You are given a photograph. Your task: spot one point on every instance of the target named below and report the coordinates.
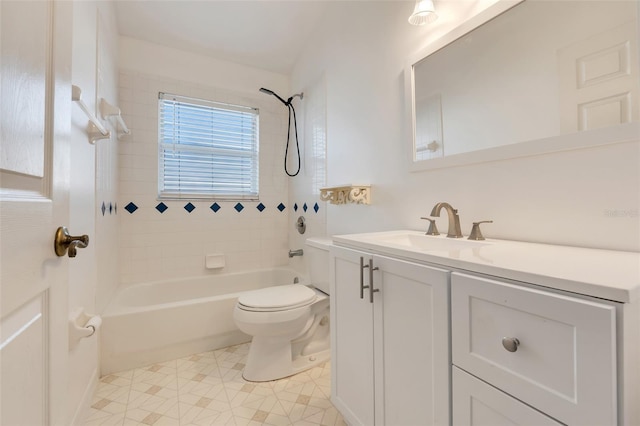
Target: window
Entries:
(207, 150)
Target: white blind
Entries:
(207, 149)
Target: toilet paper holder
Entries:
(82, 325)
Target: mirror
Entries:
(537, 77)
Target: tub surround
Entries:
(166, 239)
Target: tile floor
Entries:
(208, 389)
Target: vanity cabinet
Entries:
(554, 352)
(538, 334)
(390, 354)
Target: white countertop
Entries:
(607, 274)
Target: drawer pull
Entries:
(510, 343)
(362, 286)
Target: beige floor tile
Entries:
(208, 389)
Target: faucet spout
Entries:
(454, 220)
(293, 253)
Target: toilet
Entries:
(289, 324)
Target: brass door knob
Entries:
(64, 242)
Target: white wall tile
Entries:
(167, 245)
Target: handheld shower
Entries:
(291, 109)
(271, 92)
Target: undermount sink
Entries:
(414, 240)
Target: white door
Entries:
(599, 84)
(35, 107)
(412, 357)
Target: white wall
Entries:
(93, 181)
(587, 197)
(173, 244)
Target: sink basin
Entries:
(414, 240)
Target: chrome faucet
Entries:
(454, 220)
(298, 252)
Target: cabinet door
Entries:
(558, 355)
(351, 339)
(475, 403)
(411, 335)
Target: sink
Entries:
(414, 240)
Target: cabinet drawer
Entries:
(565, 363)
(476, 403)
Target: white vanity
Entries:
(429, 330)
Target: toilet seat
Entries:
(278, 298)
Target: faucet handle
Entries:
(433, 230)
(476, 234)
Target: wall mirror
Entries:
(525, 79)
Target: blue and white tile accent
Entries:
(162, 207)
(110, 207)
(131, 207)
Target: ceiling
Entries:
(264, 34)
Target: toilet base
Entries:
(270, 359)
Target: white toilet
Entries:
(289, 323)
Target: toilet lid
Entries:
(277, 298)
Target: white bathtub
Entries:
(163, 320)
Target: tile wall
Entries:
(313, 175)
(169, 239)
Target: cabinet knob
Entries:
(510, 343)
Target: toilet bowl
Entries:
(289, 324)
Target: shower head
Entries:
(271, 92)
(287, 102)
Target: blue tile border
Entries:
(162, 207)
(131, 207)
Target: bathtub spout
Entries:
(298, 252)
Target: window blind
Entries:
(207, 149)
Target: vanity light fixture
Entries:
(423, 13)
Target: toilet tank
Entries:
(316, 255)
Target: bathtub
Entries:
(163, 320)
